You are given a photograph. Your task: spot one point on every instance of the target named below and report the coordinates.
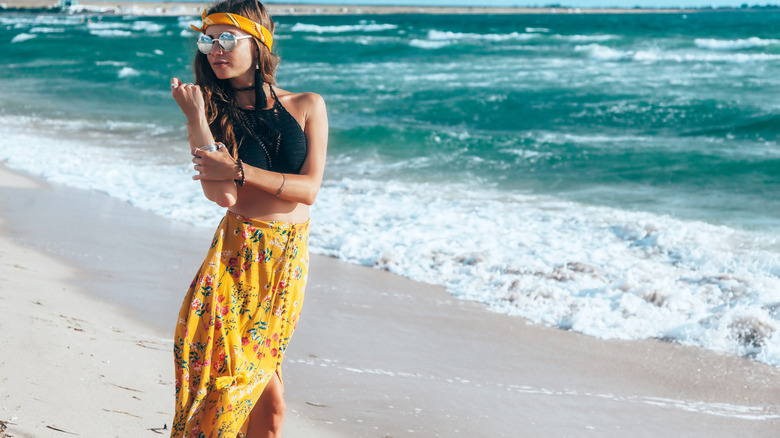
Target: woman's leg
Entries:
(266, 418)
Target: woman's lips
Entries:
(220, 63)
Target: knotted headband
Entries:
(241, 22)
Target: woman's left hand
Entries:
(214, 166)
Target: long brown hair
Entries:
(218, 95)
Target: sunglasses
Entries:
(227, 41)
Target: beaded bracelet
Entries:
(242, 177)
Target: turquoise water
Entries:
(667, 113)
(570, 169)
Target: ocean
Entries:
(614, 175)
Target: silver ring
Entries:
(174, 85)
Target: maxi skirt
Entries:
(235, 323)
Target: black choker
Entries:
(251, 87)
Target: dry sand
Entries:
(90, 289)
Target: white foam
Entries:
(23, 37)
(111, 63)
(151, 184)
(19, 21)
(362, 27)
(147, 26)
(426, 44)
(586, 38)
(561, 138)
(599, 271)
(80, 9)
(127, 72)
(603, 53)
(135, 11)
(738, 44)
(47, 30)
(438, 35)
(753, 413)
(110, 33)
(432, 77)
(103, 25)
(366, 40)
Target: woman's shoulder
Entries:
(306, 98)
(307, 103)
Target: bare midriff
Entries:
(257, 204)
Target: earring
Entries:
(260, 100)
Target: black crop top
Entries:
(271, 139)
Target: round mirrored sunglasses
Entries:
(227, 41)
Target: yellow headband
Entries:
(243, 23)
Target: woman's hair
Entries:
(218, 95)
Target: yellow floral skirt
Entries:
(235, 323)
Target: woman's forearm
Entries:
(290, 187)
(223, 192)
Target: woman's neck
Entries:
(247, 79)
(246, 98)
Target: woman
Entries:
(244, 302)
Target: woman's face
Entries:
(236, 64)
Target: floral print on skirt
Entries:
(235, 323)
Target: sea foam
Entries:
(109, 33)
(427, 44)
(127, 72)
(362, 27)
(47, 30)
(439, 35)
(23, 37)
(748, 43)
(600, 52)
(599, 271)
(586, 38)
(366, 40)
(147, 26)
(102, 25)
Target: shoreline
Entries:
(375, 354)
(286, 9)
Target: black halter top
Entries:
(271, 139)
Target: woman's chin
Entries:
(222, 75)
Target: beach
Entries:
(529, 225)
(90, 291)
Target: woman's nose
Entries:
(216, 47)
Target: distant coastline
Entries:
(183, 8)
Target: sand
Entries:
(90, 288)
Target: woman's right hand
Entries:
(189, 98)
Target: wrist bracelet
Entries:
(281, 187)
(241, 176)
(211, 147)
